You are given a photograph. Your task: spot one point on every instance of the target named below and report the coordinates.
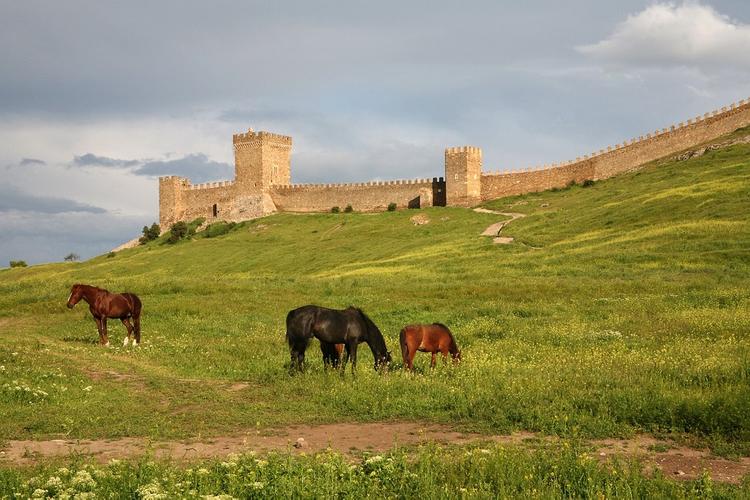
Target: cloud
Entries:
(37, 238)
(666, 34)
(92, 160)
(15, 200)
(25, 162)
(197, 167)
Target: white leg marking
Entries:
(107, 344)
(125, 342)
(70, 296)
(135, 343)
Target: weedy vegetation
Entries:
(621, 307)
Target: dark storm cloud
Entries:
(92, 160)
(197, 167)
(38, 238)
(15, 200)
(25, 162)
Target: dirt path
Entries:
(674, 461)
(494, 230)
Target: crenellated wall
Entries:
(620, 158)
(263, 172)
(364, 196)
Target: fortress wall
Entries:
(621, 158)
(513, 183)
(198, 200)
(365, 196)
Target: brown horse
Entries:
(432, 338)
(104, 304)
(331, 354)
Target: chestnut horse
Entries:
(104, 304)
(432, 338)
(331, 354)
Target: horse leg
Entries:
(104, 331)
(126, 322)
(297, 353)
(353, 355)
(432, 363)
(137, 329)
(99, 329)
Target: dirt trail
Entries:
(494, 230)
(674, 461)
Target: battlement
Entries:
(353, 185)
(250, 137)
(472, 150)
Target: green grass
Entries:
(622, 307)
(428, 472)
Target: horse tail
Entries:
(404, 346)
(136, 306)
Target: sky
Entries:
(99, 98)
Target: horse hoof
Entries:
(135, 344)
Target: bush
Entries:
(18, 263)
(178, 231)
(588, 183)
(72, 257)
(150, 233)
(335, 210)
(218, 229)
(572, 183)
(110, 255)
(391, 207)
(348, 209)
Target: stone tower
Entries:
(463, 176)
(261, 160)
(171, 206)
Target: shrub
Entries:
(218, 228)
(150, 233)
(178, 231)
(18, 263)
(391, 207)
(588, 183)
(335, 210)
(348, 209)
(572, 183)
(110, 255)
(71, 257)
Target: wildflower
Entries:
(39, 493)
(87, 388)
(83, 480)
(258, 485)
(202, 471)
(374, 459)
(261, 463)
(54, 483)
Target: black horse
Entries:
(349, 326)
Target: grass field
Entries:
(622, 307)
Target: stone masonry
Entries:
(262, 183)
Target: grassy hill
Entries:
(621, 307)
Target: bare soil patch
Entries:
(494, 230)
(678, 462)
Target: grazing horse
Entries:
(331, 354)
(349, 326)
(432, 338)
(104, 304)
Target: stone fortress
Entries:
(262, 183)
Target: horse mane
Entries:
(372, 329)
(450, 333)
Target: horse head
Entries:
(383, 361)
(76, 292)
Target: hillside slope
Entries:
(621, 307)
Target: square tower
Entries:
(261, 160)
(463, 176)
